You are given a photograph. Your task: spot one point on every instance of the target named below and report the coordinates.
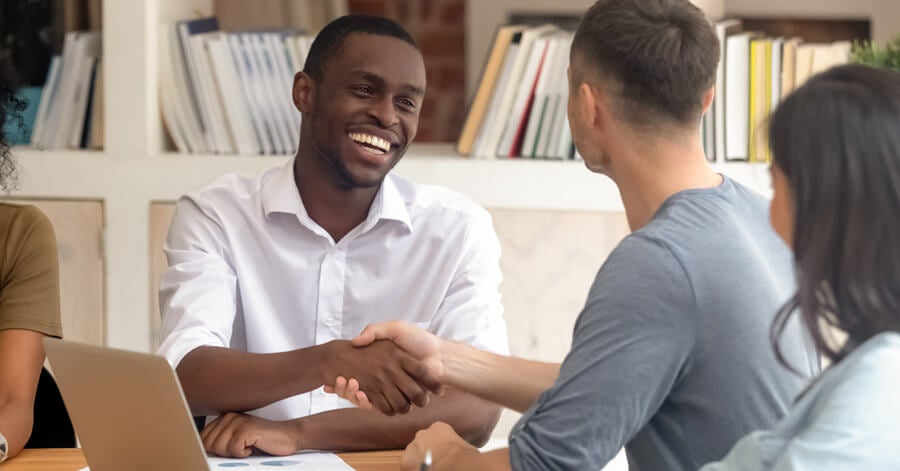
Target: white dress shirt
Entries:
(250, 270)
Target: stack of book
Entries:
(519, 109)
(755, 73)
(70, 113)
(230, 93)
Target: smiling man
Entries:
(270, 274)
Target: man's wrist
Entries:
(452, 355)
(297, 427)
(320, 359)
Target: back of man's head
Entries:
(657, 58)
(327, 43)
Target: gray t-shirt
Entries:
(671, 355)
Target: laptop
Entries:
(130, 414)
(127, 408)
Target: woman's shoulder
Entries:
(867, 372)
(24, 225)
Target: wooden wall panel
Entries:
(79, 228)
(160, 217)
(549, 262)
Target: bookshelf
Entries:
(134, 169)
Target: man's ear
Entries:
(708, 99)
(303, 92)
(592, 105)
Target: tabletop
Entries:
(72, 459)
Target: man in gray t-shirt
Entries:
(671, 353)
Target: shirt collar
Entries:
(280, 195)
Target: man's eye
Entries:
(406, 103)
(363, 90)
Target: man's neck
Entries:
(337, 209)
(648, 174)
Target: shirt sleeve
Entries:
(851, 424)
(471, 311)
(198, 290)
(631, 344)
(29, 295)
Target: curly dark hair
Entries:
(11, 107)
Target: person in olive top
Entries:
(29, 293)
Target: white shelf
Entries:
(127, 183)
(514, 183)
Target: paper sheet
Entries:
(308, 461)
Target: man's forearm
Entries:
(495, 460)
(218, 379)
(514, 383)
(356, 429)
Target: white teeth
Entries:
(371, 140)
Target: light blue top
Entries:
(848, 419)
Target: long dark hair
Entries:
(837, 141)
(11, 107)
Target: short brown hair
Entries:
(660, 55)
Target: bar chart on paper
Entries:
(308, 461)
(298, 462)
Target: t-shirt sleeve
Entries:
(631, 344)
(29, 289)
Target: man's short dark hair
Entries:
(658, 56)
(328, 42)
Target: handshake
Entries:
(390, 366)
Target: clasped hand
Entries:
(393, 378)
(418, 345)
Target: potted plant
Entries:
(868, 53)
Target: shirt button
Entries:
(329, 322)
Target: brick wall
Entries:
(439, 28)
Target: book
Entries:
(490, 73)
(198, 97)
(51, 85)
(236, 109)
(480, 146)
(757, 101)
(210, 95)
(737, 96)
(264, 134)
(180, 113)
(495, 129)
(789, 66)
(724, 29)
(543, 95)
(511, 140)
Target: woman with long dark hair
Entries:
(29, 291)
(836, 175)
